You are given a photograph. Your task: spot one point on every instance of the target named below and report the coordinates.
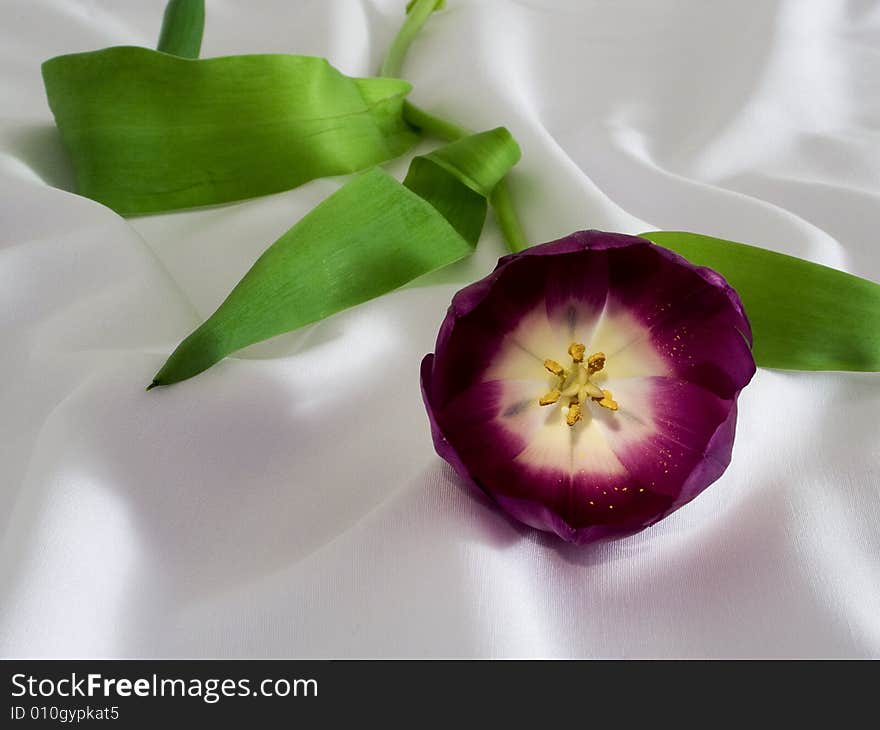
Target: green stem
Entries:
(432, 125)
(418, 13)
(182, 28)
(505, 215)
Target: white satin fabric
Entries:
(289, 503)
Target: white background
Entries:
(288, 502)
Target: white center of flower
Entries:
(574, 384)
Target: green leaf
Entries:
(371, 236)
(478, 160)
(804, 316)
(148, 131)
(458, 178)
(182, 28)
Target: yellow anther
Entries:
(555, 368)
(574, 414)
(577, 350)
(607, 401)
(596, 362)
(550, 398)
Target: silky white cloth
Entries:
(288, 502)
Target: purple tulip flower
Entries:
(589, 385)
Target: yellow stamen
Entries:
(607, 401)
(554, 367)
(577, 350)
(550, 398)
(574, 414)
(575, 383)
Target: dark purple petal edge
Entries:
(468, 298)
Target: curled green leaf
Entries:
(182, 28)
(148, 131)
(371, 236)
(804, 316)
(458, 178)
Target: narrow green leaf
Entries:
(149, 132)
(182, 28)
(371, 236)
(804, 316)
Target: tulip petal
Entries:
(676, 420)
(687, 315)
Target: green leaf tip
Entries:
(804, 316)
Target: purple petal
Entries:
(689, 315)
(687, 416)
(441, 443)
